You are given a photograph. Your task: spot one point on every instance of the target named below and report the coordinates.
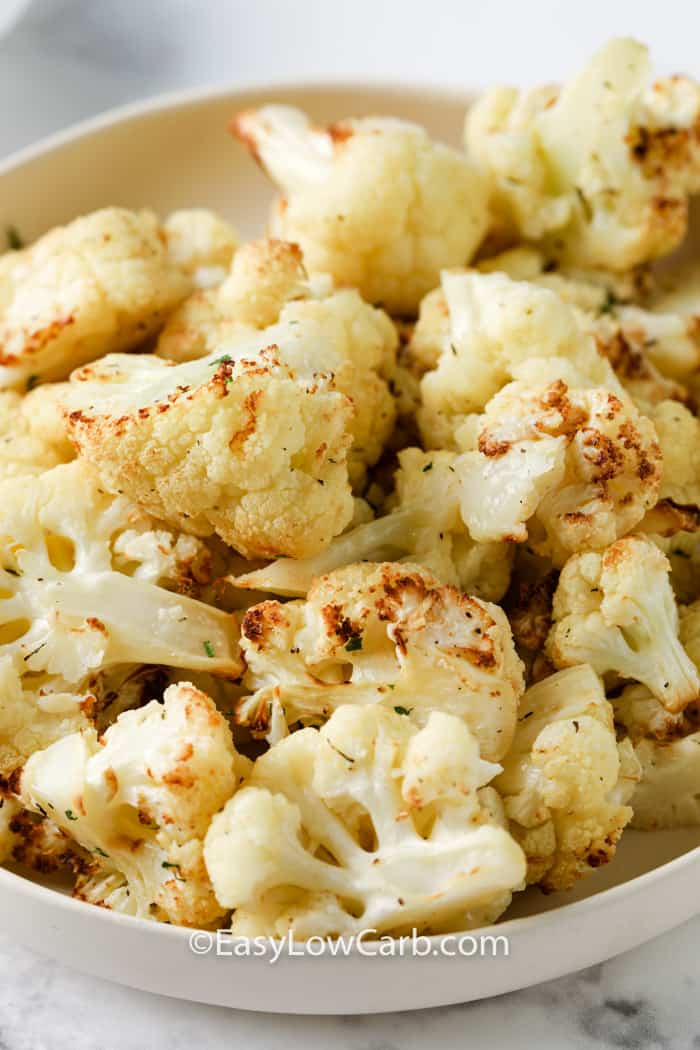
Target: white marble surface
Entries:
(70, 58)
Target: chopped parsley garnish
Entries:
(14, 241)
(403, 710)
(453, 348)
(70, 814)
(353, 644)
(100, 852)
(32, 382)
(225, 359)
(427, 467)
(609, 304)
(209, 650)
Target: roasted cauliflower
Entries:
(652, 350)
(599, 171)
(201, 244)
(489, 330)
(139, 802)
(269, 286)
(367, 824)
(566, 469)
(442, 380)
(80, 574)
(83, 578)
(616, 611)
(566, 781)
(103, 283)
(373, 202)
(668, 794)
(382, 634)
(262, 278)
(241, 443)
(23, 450)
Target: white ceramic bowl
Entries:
(175, 152)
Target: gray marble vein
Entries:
(68, 59)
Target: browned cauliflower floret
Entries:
(488, 330)
(639, 714)
(565, 780)
(598, 171)
(649, 351)
(616, 611)
(373, 202)
(388, 634)
(241, 443)
(103, 283)
(268, 286)
(139, 801)
(566, 469)
(263, 277)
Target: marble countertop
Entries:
(68, 59)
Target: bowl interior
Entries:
(182, 155)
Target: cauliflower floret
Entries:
(201, 244)
(103, 283)
(140, 800)
(71, 601)
(668, 795)
(23, 452)
(424, 527)
(264, 276)
(640, 714)
(269, 286)
(382, 634)
(367, 824)
(42, 415)
(565, 781)
(648, 346)
(494, 327)
(646, 349)
(616, 611)
(373, 202)
(34, 718)
(242, 444)
(592, 290)
(598, 171)
(678, 431)
(566, 469)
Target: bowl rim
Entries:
(185, 98)
(16, 881)
(170, 101)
